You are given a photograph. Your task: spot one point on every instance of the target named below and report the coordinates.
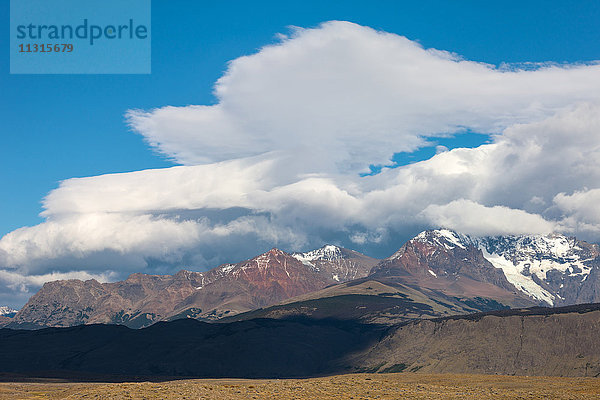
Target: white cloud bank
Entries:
(354, 95)
(276, 160)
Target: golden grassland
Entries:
(355, 386)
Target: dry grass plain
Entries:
(356, 386)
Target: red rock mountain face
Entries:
(262, 281)
(450, 263)
(143, 299)
(276, 275)
(338, 263)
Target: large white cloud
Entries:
(276, 161)
(581, 210)
(467, 216)
(354, 96)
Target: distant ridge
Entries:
(142, 299)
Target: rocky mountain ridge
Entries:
(144, 299)
(342, 264)
(448, 263)
(440, 271)
(552, 269)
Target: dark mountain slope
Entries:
(538, 341)
(258, 348)
(561, 341)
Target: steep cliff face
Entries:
(515, 342)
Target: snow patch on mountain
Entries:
(535, 264)
(445, 238)
(326, 253)
(514, 274)
(7, 311)
(227, 268)
(451, 237)
(524, 258)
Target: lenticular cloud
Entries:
(277, 161)
(354, 96)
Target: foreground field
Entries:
(359, 386)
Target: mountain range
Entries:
(553, 270)
(142, 300)
(437, 273)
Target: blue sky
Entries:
(55, 127)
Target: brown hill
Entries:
(372, 301)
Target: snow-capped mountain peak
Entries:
(553, 269)
(444, 237)
(337, 263)
(438, 238)
(328, 252)
(553, 245)
(7, 311)
(540, 265)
